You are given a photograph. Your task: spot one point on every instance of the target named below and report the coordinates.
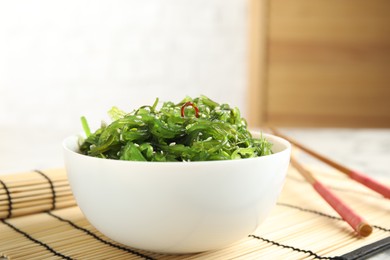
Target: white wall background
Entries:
(63, 59)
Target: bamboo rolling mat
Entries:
(40, 220)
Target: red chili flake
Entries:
(187, 104)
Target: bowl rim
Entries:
(285, 143)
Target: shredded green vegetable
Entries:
(196, 129)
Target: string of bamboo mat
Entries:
(34, 192)
(301, 226)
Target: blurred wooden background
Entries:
(319, 63)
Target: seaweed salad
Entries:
(195, 129)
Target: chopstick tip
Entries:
(364, 229)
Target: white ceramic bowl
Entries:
(177, 207)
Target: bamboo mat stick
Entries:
(357, 176)
(27, 204)
(353, 219)
(69, 202)
(32, 179)
(27, 196)
(35, 187)
(35, 194)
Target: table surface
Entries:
(366, 150)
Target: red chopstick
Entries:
(352, 218)
(355, 175)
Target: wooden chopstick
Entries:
(353, 219)
(357, 176)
